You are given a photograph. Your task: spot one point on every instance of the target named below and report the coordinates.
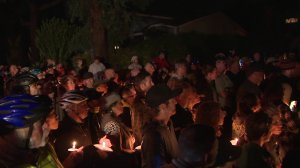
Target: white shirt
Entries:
(95, 68)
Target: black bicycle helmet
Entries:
(20, 83)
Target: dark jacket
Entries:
(68, 132)
(254, 156)
(159, 145)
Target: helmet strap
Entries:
(28, 137)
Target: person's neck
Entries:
(75, 118)
(253, 81)
(163, 121)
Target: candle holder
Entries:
(103, 147)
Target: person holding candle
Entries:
(120, 135)
(74, 127)
(258, 131)
(211, 114)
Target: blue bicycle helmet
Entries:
(19, 111)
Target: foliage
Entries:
(57, 39)
(117, 17)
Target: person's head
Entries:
(50, 61)
(13, 70)
(196, 143)
(257, 127)
(109, 74)
(256, 57)
(210, 72)
(181, 69)
(273, 92)
(38, 73)
(80, 63)
(248, 104)
(113, 104)
(233, 65)
(255, 73)
(68, 82)
(221, 66)
(211, 114)
(88, 80)
(162, 55)
(143, 82)
(60, 70)
(52, 120)
(188, 97)
(128, 94)
(134, 59)
(162, 100)
(22, 118)
(149, 68)
(25, 84)
(101, 86)
(97, 60)
(75, 105)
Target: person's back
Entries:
(159, 144)
(253, 154)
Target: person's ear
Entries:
(162, 107)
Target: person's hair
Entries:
(257, 125)
(126, 90)
(195, 142)
(208, 68)
(64, 80)
(245, 105)
(139, 79)
(208, 113)
(273, 92)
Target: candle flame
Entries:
(74, 144)
(103, 145)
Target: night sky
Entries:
(257, 17)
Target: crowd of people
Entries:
(226, 112)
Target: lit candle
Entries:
(103, 145)
(73, 147)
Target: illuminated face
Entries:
(52, 120)
(34, 89)
(146, 84)
(70, 85)
(181, 70)
(212, 75)
(149, 68)
(118, 108)
(221, 65)
(166, 110)
(89, 83)
(13, 70)
(82, 110)
(102, 88)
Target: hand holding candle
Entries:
(104, 144)
(234, 141)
